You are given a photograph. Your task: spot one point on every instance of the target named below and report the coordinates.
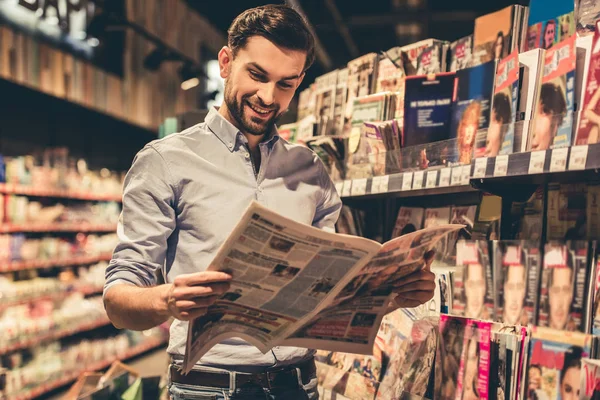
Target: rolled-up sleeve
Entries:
(147, 220)
(330, 205)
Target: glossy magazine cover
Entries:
(461, 53)
(588, 131)
(553, 117)
(501, 132)
(474, 373)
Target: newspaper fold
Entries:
(296, 285)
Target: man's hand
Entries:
(190, 295)
(416, 288)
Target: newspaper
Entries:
(296, 285)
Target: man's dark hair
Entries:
(280, 24)
(572, 360)
(553, 102)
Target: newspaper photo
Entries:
(296, 285)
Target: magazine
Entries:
(473, 281)
(588, 131)
(461, 53)
(427, 108)
(517, 271)
(409, 219)
(339, 107)
(426, 55)
(471, 109)
(362, 78)
(567, 211)
(390, 72)
(325, 102)
(554, 363)
(449, 356)
(589, 388)
(473, 376)
(501, 132)
(292, 283)
(463, 215)
(437, 217)
(564, 287)
(530, 76)
(588, 12)
(493, 38)
(553, 121)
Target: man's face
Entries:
(549, 35)
(474, 290)
(493, 137)
(560, 297)
(544, 131)
(569, 388)
(514, 293)
(260, 82)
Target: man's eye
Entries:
(285, 85)
(256, 76)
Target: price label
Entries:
(380, 184)
(346, 188)
(466, 174)
(418, 180)
(407, 180)
(445, 177)
(480, 167)
(359, 187)
(501, 165)
(578, 157)
(456, 176)
(536, 162)
(431, 179)
(339, 186)
(558, 162)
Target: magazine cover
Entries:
(554, 364)
(427, 108)
(449, 355)
(589, 389)
(564, 288)
(464, 215)
(528, 217)
(473, 281)
(493, 35)
(471, 107)
(409, 219)
(543, 10)
(530, 77)
(341, 92)
(436, 217)
(501, 132)
(325, 102)
(517, 271)
(390, 72)
(473, 376)
(553, 121)
(567, 211)
(362, 76)
(430, 60)
(412, 53)
(588, 12)
(502, 362)
(588, 131)
(593, 211)
(461, 53)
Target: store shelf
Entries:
(499, 175)
(68, 378)
(88, 326)
(58, 262)
(86, 291)
(58, 227)
(26, 190)
(432, 182)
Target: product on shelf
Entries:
(463, 215)
(325, 102)
(590, 379)
(424, 57)
(409, 219)
(436, 217)
(461, 53)
(473, 281)
(588, 131)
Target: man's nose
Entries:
(267, 94)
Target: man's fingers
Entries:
(420, 275)
(190, 315)
(201, 302)
(415, 286)
(202, 278)
(421, 295)
(192, 292)
(406, 304)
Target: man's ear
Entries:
(225, 58)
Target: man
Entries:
(501, 117)
(185, 193)
(549, 116)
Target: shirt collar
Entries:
(229, 134)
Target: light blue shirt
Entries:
(185, 193)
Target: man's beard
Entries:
(247, 124)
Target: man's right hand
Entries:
(190, 295)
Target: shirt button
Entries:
(247, 155)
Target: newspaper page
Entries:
(282, 272)
(351, 321)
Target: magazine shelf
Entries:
(86, 291)
(26, 190)
(140, 349)
(88, 326)
(57, 227)
(59, 262)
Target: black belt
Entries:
(273, 379)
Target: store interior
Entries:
(424, 113)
